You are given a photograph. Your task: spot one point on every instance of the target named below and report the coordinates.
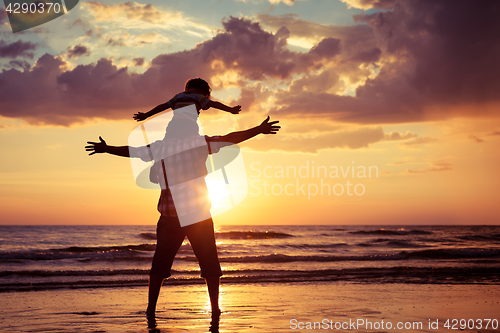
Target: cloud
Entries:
(348, 139)
(495, 133)
(436, 166)
(475, 138)
(328, 47)
(130, 11)
(412, 63)
(138, 61)
(435, 59)
(396, 136)
(287, 2)
(16, 49)
(421, 141)
(103, 90)
(370, 4)
(133, 15)
(126, 40)
(21, 64)
(275, 2)
(77, 51)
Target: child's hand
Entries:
(268, 127)
(235, 109)
(139, 116)
(97, 147)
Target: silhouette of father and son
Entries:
(179, 168)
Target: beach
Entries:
(271, 307)
(276, 279)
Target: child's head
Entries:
(198, 84)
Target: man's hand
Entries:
(139, 116)
(268, 127)
(97, 147)
(235, 109)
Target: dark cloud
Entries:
(328, 47)
(354, 38)
(16, 49)
(247, 48)
(434, 59)
(449, 50)
(138, 61)
(438, 59)
(77, 51)
(370, 56)
(21, 64)
(116, 42)
(104, 90)
(32, 94)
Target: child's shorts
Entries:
(170, 236)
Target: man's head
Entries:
(199, 85)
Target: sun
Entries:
(219, 194)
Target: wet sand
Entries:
(253, 308)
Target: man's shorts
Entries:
(170, 236)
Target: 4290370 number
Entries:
(462, 324)
(34, 7)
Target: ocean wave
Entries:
(312, 246)
(77, 249)
(141, 253)
(251, 235)
(402, 255)
(401, 274)
(79, 252)
(234, 235)
(485, 237)
(50, 273)
(392, 232)
(147, 235)
(453, 254)
(384, 242)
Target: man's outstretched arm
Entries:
(102, 147)
(266, 127)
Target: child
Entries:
(170, 234)
(196, 91)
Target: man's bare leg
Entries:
(213, 292)
(155, 282)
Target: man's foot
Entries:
(214, 324)
(151, 322)
(151, 318)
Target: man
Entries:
(199, 226)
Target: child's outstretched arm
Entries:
(266, 127)
(218, 105)
(141, 116)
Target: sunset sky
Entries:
(408, 88)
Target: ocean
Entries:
(72, 257)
